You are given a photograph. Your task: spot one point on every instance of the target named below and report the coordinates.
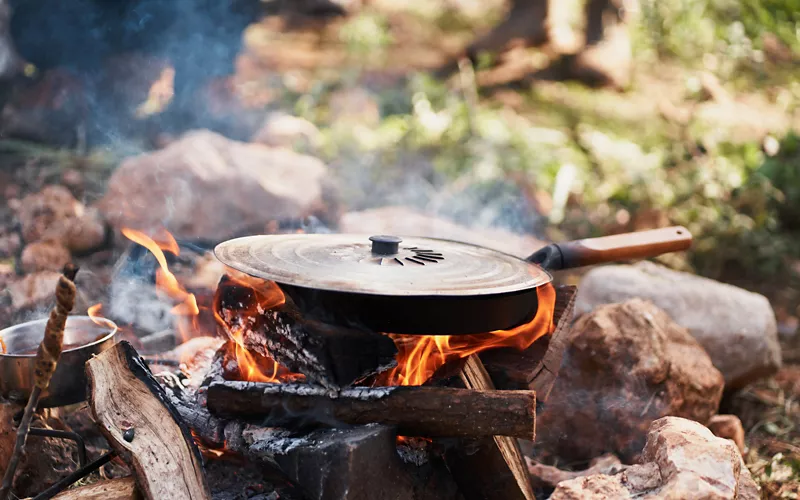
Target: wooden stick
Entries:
(416, 411)
(143, 427)
(488, 467)
(45, 364)
(123, 488)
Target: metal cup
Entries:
(86, 335)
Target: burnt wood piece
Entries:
(337, 464)
(416, 411)
(112, 489)
(489, 467)
(535, 368)
(334, 357)
(143, 427)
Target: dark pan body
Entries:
(417, 315)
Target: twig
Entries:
(45, 364)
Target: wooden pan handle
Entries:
(628, 246)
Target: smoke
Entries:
(199, 38)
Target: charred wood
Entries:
(535, 368)
(136, 417)
(488, 467)
(334, 357)
(416, 411)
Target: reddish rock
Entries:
(547, 475)
(54, 214)
(206, 186)
(627, 365)
(737, 328)
(408, 221)
(682, 459)
(728, 427)
(33, 289)
(44, 256)
(47, 111)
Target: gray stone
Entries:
(736, 327)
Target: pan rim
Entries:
(544, 276)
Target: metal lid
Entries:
(380, 265)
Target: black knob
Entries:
(385, 245)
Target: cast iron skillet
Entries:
(424, 286)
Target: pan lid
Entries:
(380, 265)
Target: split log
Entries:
(535, 368)
(113, 489)
(489, 467)
(416, 411)
(334, 357)
(142, 426)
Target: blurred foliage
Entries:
(725, 34)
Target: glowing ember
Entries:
(420, 356)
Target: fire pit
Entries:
(354, 367)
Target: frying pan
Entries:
(424, 286)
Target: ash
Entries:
(267, 442)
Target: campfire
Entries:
(338, 407)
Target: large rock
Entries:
(627, 365)
(206, 186)
(736, 327)
(410, 222)
(53, 214)
(682, 459)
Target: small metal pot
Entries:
(83, 337)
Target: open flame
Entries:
(166, 282)
(419, 357)
(239, 302)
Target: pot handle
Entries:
(626, 246)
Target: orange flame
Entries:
(420, 356)
(166, 281)
(94, 313)
(239, 302)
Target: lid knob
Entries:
(384, 244)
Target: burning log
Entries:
(416, 410)
(535, 368)
(113, 489)
(334, 357)
(143, 427)
(489, 467)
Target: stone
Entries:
(54, 214)
(627, 365)
(10, 244)
(44, 255)
(48, 111)
(547, 475)
(33, 290)
(728, 427)
(209, 187)
(284, 130)
(408, 221)
(736, 327)
(681, 459)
